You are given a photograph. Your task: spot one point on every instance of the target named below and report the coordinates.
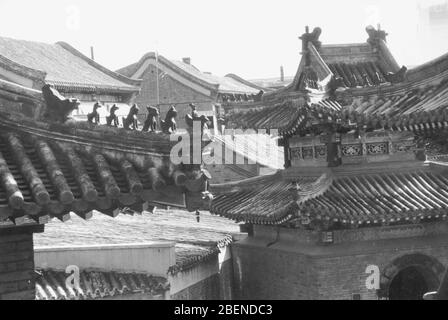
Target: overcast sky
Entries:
(251, 38)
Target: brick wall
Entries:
(171, 92)
(341, 277)
(17, 263)
(207, 289)
(294, 265)
(264, 273)
(226, 280)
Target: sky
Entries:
(251, 38)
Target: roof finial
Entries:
(312, 37)
(375, 35)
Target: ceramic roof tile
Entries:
(283, 117)
(49, 169)
(51, 285)
(195, 241)
(391, 197)
(361, 74)
(265, 199)
(62, 67)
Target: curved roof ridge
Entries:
(433, 67)
(192, 73)
(170, 64)
(96, 65)
(22, 69)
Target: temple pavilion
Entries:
(360, 210)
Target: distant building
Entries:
(273, 83)
(33, 64)
(170, 82)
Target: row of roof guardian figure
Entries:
(130, 122)
(58, 109)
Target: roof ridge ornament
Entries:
(57, 107)
(375, 35)
(312, 37)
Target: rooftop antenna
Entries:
(92, 56)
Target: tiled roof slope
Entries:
(370, 196)
(225, 84)
(220, 84)
(51, 285)
(360, 74)
(359, 64)
(64, 66)
(286, 117)
(194, 241)
(264, 199)
(281, 116)
(48, 170)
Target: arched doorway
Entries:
(411, 276)
(408, 284)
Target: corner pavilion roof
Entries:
(370, 95)
(417, 103)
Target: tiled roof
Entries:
(416, 107)
(64, 66)
(195, 241)
(190, 255)
(225, 84)
(262, 200)
(368, 197)
(287, 116)
(409, 106)
(284, 117)
(51, 285)
(221, 84)
(361, 74)
(49, 170)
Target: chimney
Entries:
(92, 56)
(186, 60)
(282, 74)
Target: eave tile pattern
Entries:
(381, 198)
(265, 200)
(364, 199)
(51, 285)
(282, 116)
(361, 74)
(43, 178)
